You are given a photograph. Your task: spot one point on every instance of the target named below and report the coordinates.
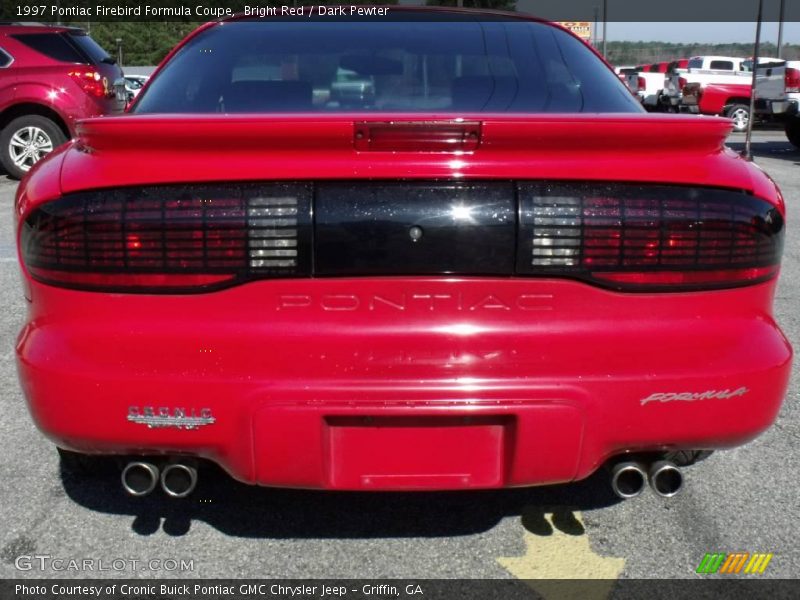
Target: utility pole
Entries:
(780, 29)
(596, 19)
(747, 154)
(119, 51)
(605, 24)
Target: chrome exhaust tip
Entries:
(666, 478)
(178, 480)
(628, 479)
(139, 478)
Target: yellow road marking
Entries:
(562, 555)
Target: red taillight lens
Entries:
(181, 239)
(792, 79)
(648, 237)
(688, 278)
(641, 84)
(90, 82)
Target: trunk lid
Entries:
(138, 150)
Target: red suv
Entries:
(49, 78)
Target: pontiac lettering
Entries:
(416, 301)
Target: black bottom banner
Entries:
(422, 589)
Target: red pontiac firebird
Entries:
(435, 250)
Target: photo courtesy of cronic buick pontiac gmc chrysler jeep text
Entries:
(363, 255)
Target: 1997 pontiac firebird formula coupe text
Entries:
(369, 255)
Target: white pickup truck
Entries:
(702, 71)
(646, 83)
(778, 95)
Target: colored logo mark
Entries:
(735, 563)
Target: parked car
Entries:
(716, 91)
(505, 281)
(134, 85)
(651, 82)
(648, 82)
(632, 83)
(731, 100)
(703, 71)
(49, 78)
(778, 95)
(669, 98)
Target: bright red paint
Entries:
(382, 383)
(322, 146)
(712, 99)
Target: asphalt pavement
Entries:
(742, 500)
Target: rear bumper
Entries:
(777, 108)
(405, 383)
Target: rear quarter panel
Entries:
(715, 98)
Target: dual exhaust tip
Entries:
(628, 479)
(178, 480)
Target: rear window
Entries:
(90, 48)
(53, 45)
(307, 66)
(695, 63)
(721, 65)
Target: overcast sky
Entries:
(700, 32)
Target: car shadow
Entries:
(240, 510)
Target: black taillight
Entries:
(624, 237)
(170, 238)
(647, 236)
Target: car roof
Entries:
(394, 8)
(717, 57)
